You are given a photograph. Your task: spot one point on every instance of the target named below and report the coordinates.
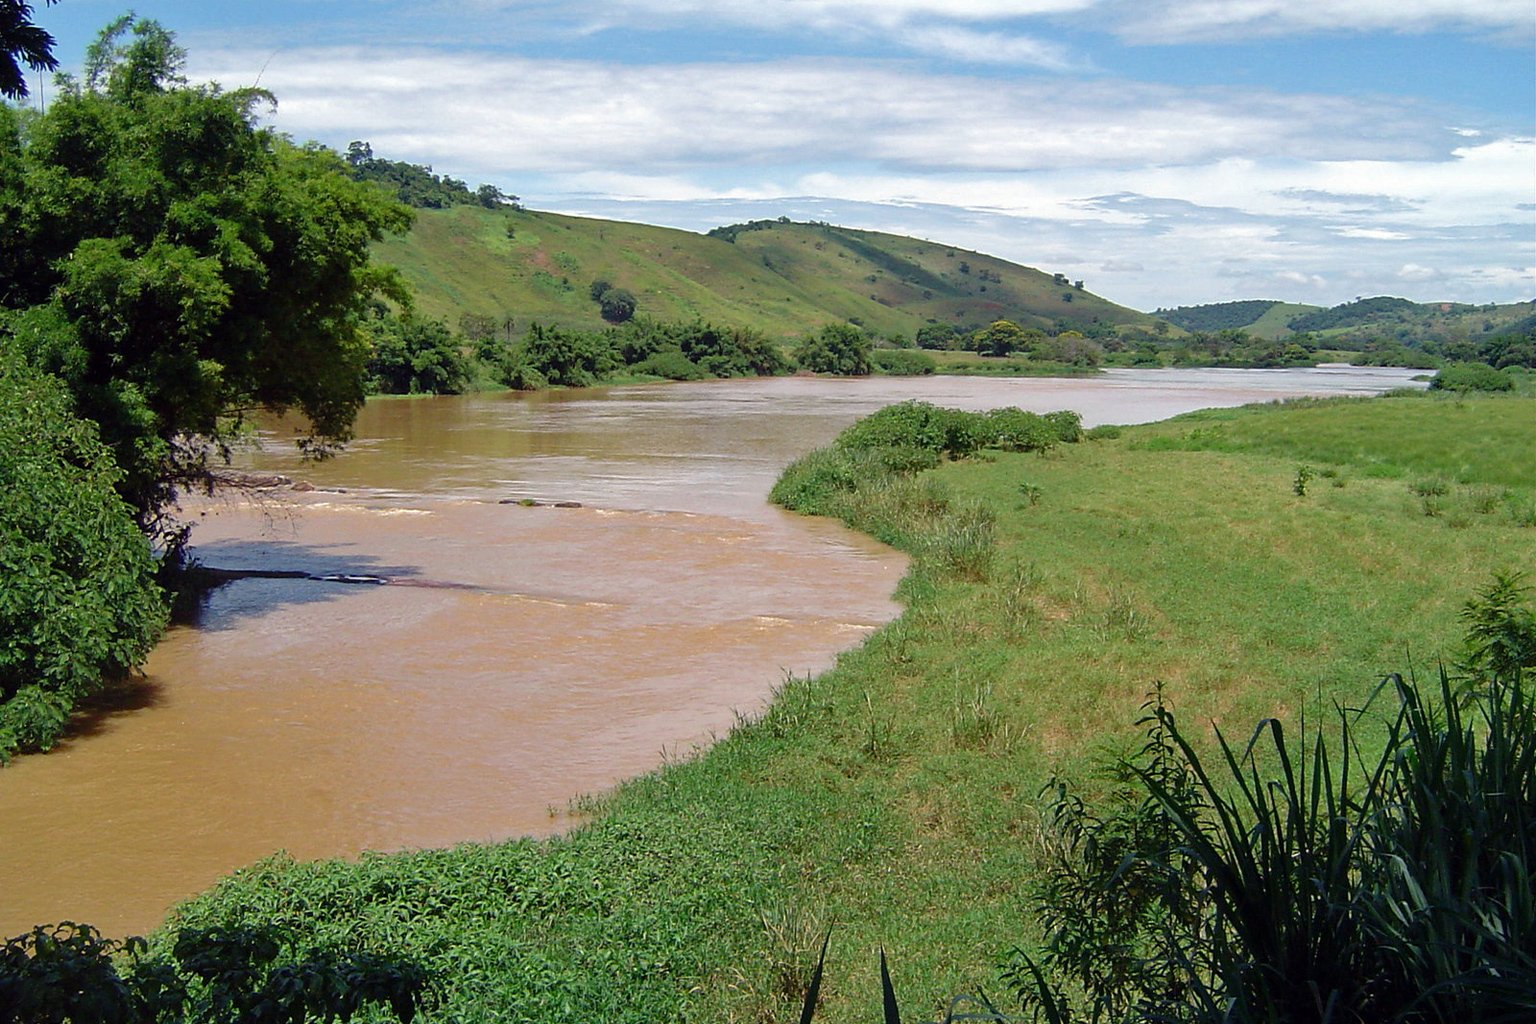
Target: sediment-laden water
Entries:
(430, 661)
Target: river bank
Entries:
(895, 796)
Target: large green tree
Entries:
(178, 265)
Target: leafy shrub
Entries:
(1067, 424)
(71, 973)
(1471, 377)
(914, 424)
(904, 362)
(416, 357)
(78, 601)
(840, 349)
(574, 359)
(670, 364)
(1015, 430)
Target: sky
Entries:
(1165, 152)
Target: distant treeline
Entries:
(1218, 316)
(415, 185)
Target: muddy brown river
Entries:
(474, 664)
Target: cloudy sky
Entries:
(1167, 152)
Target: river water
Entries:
(477, 662)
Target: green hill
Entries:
(1363, 320)
(782, 278)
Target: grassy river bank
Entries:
(895, 798)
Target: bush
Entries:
(840, 349)
(211, 976)
(670, 364)
(1471, 377)
(79, 604)
(1015, 430)
(416, 357)
(904, 362)
(914, 424)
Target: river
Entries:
(477, 662)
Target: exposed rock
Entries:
(245, 480)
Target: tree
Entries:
(22, 42)
(178, 266)
(412, 356)
(840, 349)
(935, 336)
(1001, 338)
(617, 305)
(79, 604)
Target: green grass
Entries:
(785, 281)
(895, 798)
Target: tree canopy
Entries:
(177, 265)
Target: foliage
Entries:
(413, 356)
(1351, 314)
(1217, 316)
(671, 364)
(52, 975)
(1003, 338)
(78, 602)
(839, 349)
(1501, 630)
(22, 42)
(915, 424)
(730, 352)
(903, 362)
(574, 359)
(617, 305)
(176, 265)
(1471, 377)
(1304, 883)
(416, 186)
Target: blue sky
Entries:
(1166, 152)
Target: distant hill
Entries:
(780, 277)
(1382, 318)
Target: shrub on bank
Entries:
(78, 604)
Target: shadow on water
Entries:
(234, 580)
(94, 715)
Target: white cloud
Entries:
(490, 112)
(992, 48)
(1142, 21)
(1375, 234)
(1415, 272)
(1168, 21)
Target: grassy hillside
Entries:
(781, 278)
(896, 798)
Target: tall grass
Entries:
(1310, 882)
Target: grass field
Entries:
(895, 799)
